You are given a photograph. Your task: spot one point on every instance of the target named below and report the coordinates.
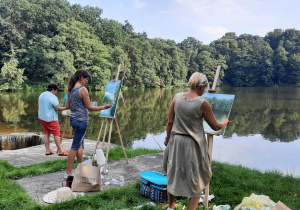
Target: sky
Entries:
(205, 20)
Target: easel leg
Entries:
(108, 145)
(210, 138)
(99, 135)
(121, 140)
(104, 135)
(64, 131)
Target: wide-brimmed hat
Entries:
(60, 195)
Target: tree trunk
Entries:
(12, 48)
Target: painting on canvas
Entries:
(221, 105)
(111, 96)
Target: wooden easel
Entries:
(106, 120)
(70, 135)
(210, 137)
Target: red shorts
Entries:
(51, 127)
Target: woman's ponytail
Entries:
(76, 77)
(71, 82)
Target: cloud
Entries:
(121, 6)
(109, 94)
(139, 4)
(261, 31)
(220, 11)
(211, 19)
(215, 30)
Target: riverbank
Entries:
(230, 184)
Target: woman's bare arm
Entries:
(171, 115)
(206, 112)
(59, 108)
(87, 102)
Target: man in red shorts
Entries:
(48, 107)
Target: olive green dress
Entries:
(186, 158)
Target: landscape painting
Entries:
(221, 105)
(111, 96)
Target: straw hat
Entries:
(60, 195)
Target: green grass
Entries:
(9, 172)
(230, 184)
(13, 196)
(31, 170)
(117, 153)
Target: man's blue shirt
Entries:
(47, 103)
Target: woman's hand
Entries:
(106, 106)
(166, 141)
(224, 121)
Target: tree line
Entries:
(46, 41)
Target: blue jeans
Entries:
(79, 128)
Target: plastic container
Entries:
(122, 182)
(100, 157)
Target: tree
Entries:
(111, 33)
(274, 38)
(87, 14)
(49, 60)
(265, 66)
(88, 51)
(293, 70)
(280, 62)
(291, 41)
(13, 27)
(11, 77)
(127, 27)
(208, 65)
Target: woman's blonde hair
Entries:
(198, 80)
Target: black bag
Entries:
(154, 186)
(69, 181)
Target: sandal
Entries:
(63, 154)
(50, 153)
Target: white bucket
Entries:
(100, 157)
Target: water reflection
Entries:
(249, 151)
(273, 114)
(254, 152)
(12, 108)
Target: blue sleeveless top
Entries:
(78, 109)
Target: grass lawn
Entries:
(230, 184)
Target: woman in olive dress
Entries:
(187, 159)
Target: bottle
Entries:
(65, 98)
(122, 183)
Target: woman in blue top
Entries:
(78, 101)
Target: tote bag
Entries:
(86, 179)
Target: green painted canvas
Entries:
(221, 105)
(111, 96)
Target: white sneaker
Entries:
(102, 170)
(66, 175)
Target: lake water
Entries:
(264, 131)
